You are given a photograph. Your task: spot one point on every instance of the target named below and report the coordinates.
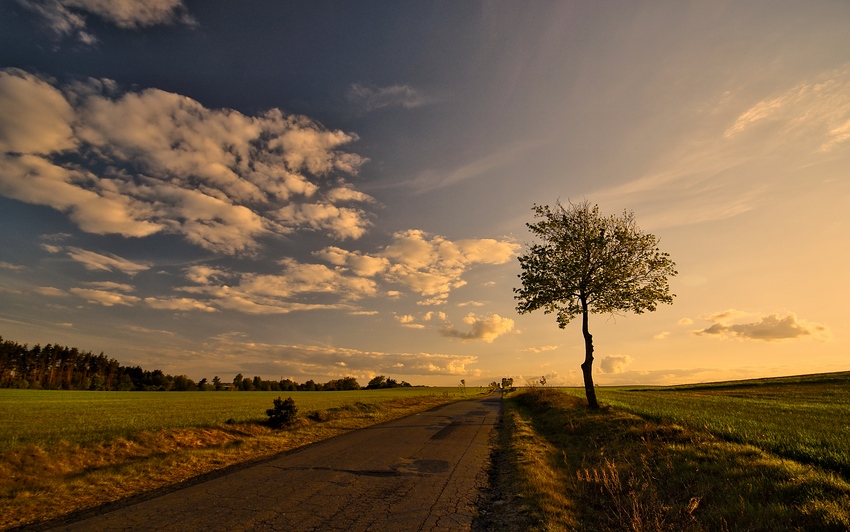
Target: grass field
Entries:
(805, 418)
(63, 451)
(762, 455)
(34, 417)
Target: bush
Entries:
(283, 413)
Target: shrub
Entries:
(283, 413)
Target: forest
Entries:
(57, 367)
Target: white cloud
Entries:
(486, 328)
(408, 320)
(370, 98)
(134, 13)
(36, 117)
(51, 291)
(278, 293)
(177, 303)
(109, 285)
(338, 222)
(435, 315)
(615, 363)
(359, 264)
(429, 265)
(104, 297)
(541, 349)
(64, 18)
(432, 265)
(662, 335)
(767, 328)
(97, 262)
(146, 162)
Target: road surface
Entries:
(422, 472)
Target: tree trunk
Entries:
(587, 366)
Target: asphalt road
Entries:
(422, 472)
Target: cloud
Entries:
(97, 262)
(302, 362)
(615, 363)
(768, 328)
(144, 162)
(358, 263)
(109, 285)
(816, 110)
(278, 293)
(105, 297)
(487, 328)
(370, 98)
(10, 266)
(685, 321)
(64, 18)
(435, 315)
(51, 291)
(662, 335)
(724, 171)
(541, 349)
(338, 222)
(408, 320)
(177, 303)
(437, 179)
(432, 266)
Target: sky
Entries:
(313, 190)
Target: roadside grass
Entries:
(608, 469)
(49, 476)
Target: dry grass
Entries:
(526, 483)
(39, 483)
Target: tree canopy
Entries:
(588, 263)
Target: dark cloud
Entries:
(371, 98)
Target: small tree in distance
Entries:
(587, 263)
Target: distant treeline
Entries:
(56, 367)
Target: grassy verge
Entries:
(608, 469)
(43, 481)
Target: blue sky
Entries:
(320, 189)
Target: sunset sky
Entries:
(319, 189)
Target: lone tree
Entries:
(590, 263)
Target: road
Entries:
(422, 472)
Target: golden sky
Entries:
(316, 191)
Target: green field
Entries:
(47, 417)
(767, 454)
(805, 418)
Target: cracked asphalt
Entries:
(422, 472)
